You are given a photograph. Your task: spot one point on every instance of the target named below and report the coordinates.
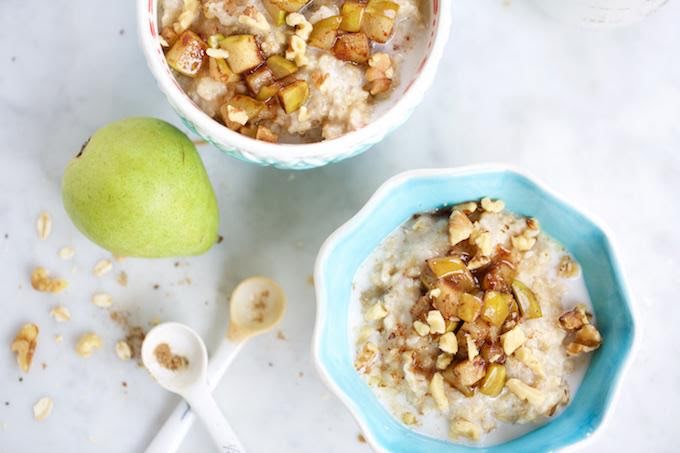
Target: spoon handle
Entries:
(177, 425)
(208, 411)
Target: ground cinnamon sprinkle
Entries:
(169, 360)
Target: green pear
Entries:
(138, 188)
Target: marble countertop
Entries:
(595, 114)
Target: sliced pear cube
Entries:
(277, 14)
(292, 96)
(324, 32)
(379, 19)
(249, 131)
(258, 79)
(186, 56)
(244, 53)
(267, 92)
(352, 47)
(220, 71)
(290, 6)
(281, 67)
(352, 13)
(266, 135)
(240, 104)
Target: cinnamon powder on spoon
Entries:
(169, 360)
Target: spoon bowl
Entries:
(257, 304)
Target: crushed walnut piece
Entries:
(169, 360)
(40, 281)
(24, 345)
(584, 337)
(88, 343)
(568, 268)
(302, 26)
(297, 49)
(380, 73)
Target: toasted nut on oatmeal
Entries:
(575, 318)
(467, 208)
(469, 372)
(254, 20)
(436, 322)
(587, 339)
(379, 86)
(448, 343)
(43, 408)
(266, 135)
(408, 418)
(443, 361)
(513, 339)
(478, 261)
(88, 343)
(463, 428)
(494, 380)
(523, 242)
(460, 227)
(471, 347)
(60, 313)
(296, 52)
(302, 26)
(375, 312)
(525, 392)
(568, 268)
(368, 354)
(421, 328)
(44, 225)
(482, 240)
(492, 206)
(525, 356)
(438, 392)
(24, 345)
(123, 350)
(40, 281)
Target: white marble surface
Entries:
(596, 114)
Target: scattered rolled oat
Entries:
(44, 225)
(463, 428)
(102, 300)
(66, 253)
(60, 313)
(24, 345)
(376, 312)
(123, 350)
(40, 281)
(568, 268)
(102, 267)
(408, 418)
(438, 392)
(59, 338)
(525, 392)
(43, 408)
(88, 344)
(122, 278)
(523, 242)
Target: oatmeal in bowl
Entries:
(249, 74)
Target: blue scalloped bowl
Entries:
(423, 190)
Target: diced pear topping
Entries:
(378, 19)
(352, 47)
(352, 13)
(187, 54)
(513, 339)
(496, 307)
(244, 53)
(290, 6)
(281, 67)
(220, 71)
(292, 96)
(240, 108)
(268, 92)
(438, 392)
(494, 380)
(469, 307)
(266, 135)
(324, 32)
(469, 372)
(277, 15)
(259, 79)
(445, 266)
(526, 300)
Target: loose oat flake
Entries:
(60, 313)
(102, 267)
(43, 408)
(44, 225)
(102, 300)
(66, 253)
(24, 345)
(123, 350)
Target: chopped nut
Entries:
(267, 135)
(587, 339)
(102, 267)
(217, 53)
(44, 225)
(40, 281)
(408, 418)
(523, 242)
(374, 74)
(478, 261)
(237, 115)
(380, 61)
(460, 227)
(189, 13)
(482, 240)
(525, 356)
(379, 86)
(66, 253)
(463, 428)
(467, 208)
(448, 343)
(421, 328)
(438, 392)
(434, 293)
(88, 344)
(297, 48)
(43, 408)
(492, 206)
(525, 392)
(366, 357)
(102, 300)
(123, 350)
(575, 318)
(302, 26)
(255, 21)
(533, 223)
(436, 321)
(513, 339)
(59, 338)
(471, 347)
(469, 372)
(122, 278)
(60, 313)
(568, 268)
(303, 114)
(24, 345)
(375, 312)
(443, 361)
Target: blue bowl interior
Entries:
(576, 232)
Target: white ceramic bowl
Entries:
(417, 74)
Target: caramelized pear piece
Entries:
(241, 103)
(494, 380)
(220, 71)
(258, 79)
(268, 91)
(281, 67)
(378, 20)
(248, 131)
(469, 307)
(266, 135)
(352, 47)
(324, 32)
(289, 6)
(187, 54)
(244, 53)
(352, 13)
(292, 96)
(526, 300)
(496, 307)
(277, 14)
(444, 266)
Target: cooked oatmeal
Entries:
(469, 322)
(289, 70)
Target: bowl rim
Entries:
(366, 211)
(280, 152)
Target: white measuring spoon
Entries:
(189, 381)
(245, 321)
